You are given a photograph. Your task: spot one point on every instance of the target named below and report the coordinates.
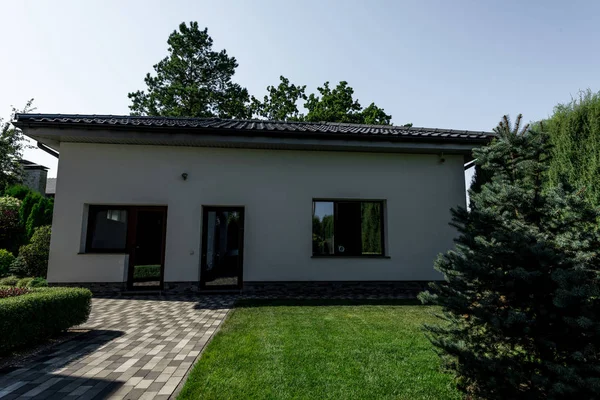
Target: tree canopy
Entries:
(12, 144)
(196, 81)
(192, 81)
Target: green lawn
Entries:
(303, 350)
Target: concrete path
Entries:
(137, 348)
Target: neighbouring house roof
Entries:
(51, 186)
(51, 129)
(28, 165)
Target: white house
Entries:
(166, 203)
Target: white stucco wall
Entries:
(276, 188)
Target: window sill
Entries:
(364, 256)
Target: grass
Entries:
(308, 350)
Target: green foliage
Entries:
(522, 297)
(19, 267)
(146, 272)
(23, 282)
(6, 259)
(330, 105)
(12, 144)
(338, 105)
(9, 281)
(281, 103)
(11, 229)
(574, 130)
(40, 215)
(192, 81)
(17, 191)
(37, 282)
(35, 254)
(30, 200)
(33, 317)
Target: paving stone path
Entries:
(136, 348)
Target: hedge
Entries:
(40, 314)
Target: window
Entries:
(107, 229)
(347, 228)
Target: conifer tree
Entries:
(521, 301)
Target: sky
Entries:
(458, 64)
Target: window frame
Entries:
(382, 204)
(91, 225)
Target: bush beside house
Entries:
(37, 314)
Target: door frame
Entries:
(240, 267)
(131, 239)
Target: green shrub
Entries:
(37, 282)
(17, 191)
(28, 202)
(40, 314)
(6, 260)
(19, 267)
(23, 282)
(9, 281)
(40, 215)
(11, 229)
(146, 271)
(35, 254)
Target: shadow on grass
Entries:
(247, 303)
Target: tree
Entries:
(192, 81)
(521, 301)
(330, 105)
(33, 257)
(338, 105)
(40, 215)
(10, 227)
(281, 102)
(12, 144)
(574, 131)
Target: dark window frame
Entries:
(91, 226)
(336, 254)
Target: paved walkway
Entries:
(137, 348)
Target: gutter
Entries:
(47, 149)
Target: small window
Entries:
(347, 228)
(107, 229)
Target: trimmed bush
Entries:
(6, 260)
(23, 282)
(40, 314)
(35, 254)
(9, 281)
(37, 282)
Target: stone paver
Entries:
(137, 348)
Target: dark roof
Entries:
(31, 165)
(320, 129)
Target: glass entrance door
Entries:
(222, 248)
(146, 258)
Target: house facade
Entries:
(173, 204)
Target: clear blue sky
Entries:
(448, 64)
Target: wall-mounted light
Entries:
(184, 176)
(442, 159)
